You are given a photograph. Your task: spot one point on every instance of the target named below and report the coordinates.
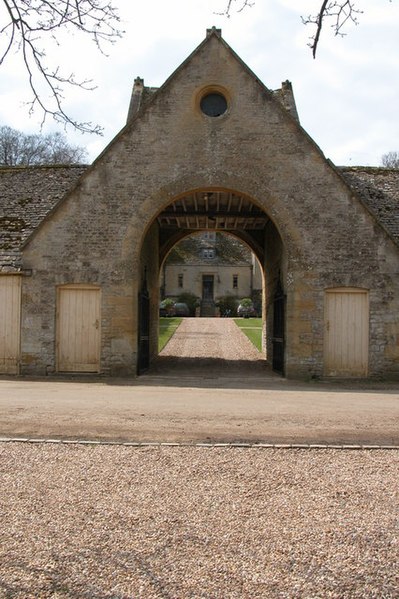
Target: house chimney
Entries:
(135, 100)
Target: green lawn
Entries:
(167, 327)
(252, 327)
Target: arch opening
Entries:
(212, 216)
(214, 267)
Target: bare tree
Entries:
(390, 159)
(241, 5)
(31, 26)
(337, 12)
(18, 148)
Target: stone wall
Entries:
(223, 279)
(102, 232)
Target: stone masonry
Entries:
(326, 227)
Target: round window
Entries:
(213, 104)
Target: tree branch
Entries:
(339, 11)
(319, 23)
(242, 5)
(33, 24)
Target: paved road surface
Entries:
(197, 401)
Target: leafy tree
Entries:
(337, 12)
(18, 148)
(31, 27)
(390, 160)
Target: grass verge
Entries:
(167, 327)
(252, 327)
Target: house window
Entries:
(180, 280)
(208, 253)
(235, 281)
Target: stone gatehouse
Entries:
(212, 149)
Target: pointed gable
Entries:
(169, 133)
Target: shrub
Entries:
(227, 305)
(190, 299)
(246, 302)
(166, 306)
(257, 300)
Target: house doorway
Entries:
(207, 287)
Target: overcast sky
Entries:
(347, 99)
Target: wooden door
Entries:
(207, 287)
(346, 332)
(10, 323)
(79, 335)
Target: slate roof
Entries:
(28, 194)
(379, 190)
(228, 251)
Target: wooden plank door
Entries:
(346, 332)
(10, 323)
(79, 335)
(207, 287)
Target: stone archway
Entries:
(221, 210)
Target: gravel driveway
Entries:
(211, 346)
(119, 522)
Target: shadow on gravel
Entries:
(215, 373)
(172, 371)
(212, 367)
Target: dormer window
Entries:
(208, 253)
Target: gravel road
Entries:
(118, 522)
(213, 347)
